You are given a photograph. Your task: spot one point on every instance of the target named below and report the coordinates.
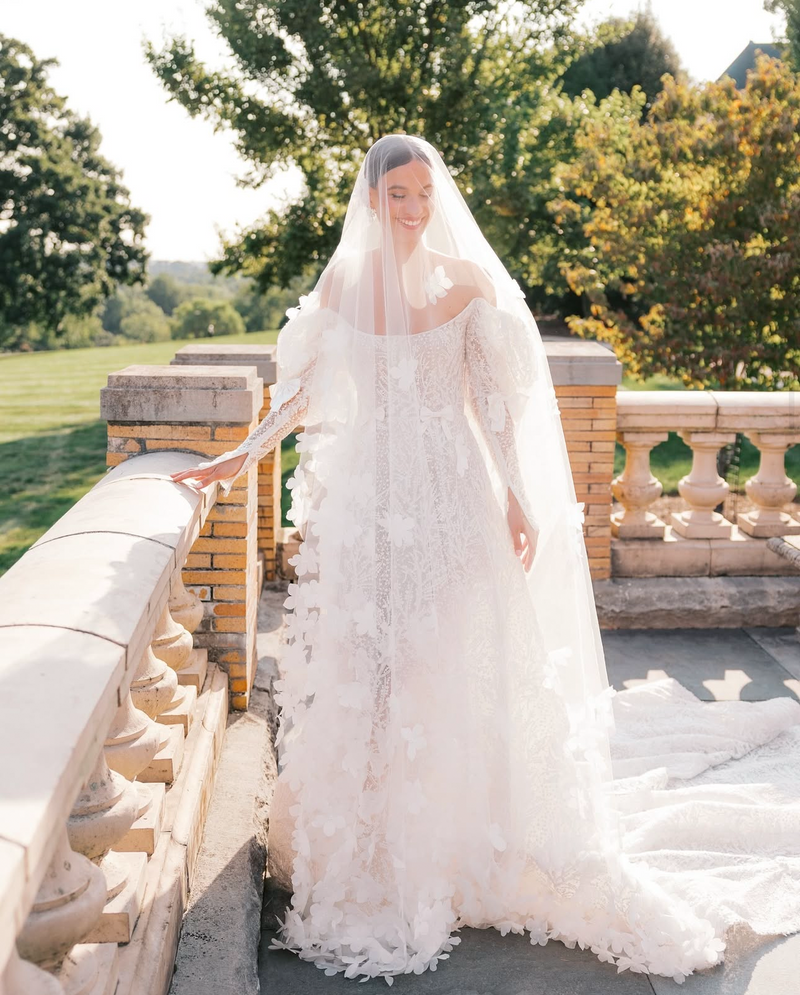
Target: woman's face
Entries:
(403, 198)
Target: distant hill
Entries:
(192, 272)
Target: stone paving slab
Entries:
(484, 963)
(714, 664)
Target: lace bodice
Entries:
(445, 372)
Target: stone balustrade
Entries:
(735, 575)
(113, 711)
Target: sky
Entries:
(182, 173)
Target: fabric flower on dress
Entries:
(303, 301)
(437, 284)
(304, 560)
(415, 740)
(517, 290)
(403, 372)
(399, 528)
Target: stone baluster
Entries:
(67, 906)
(23, 978)
(703, 489)
(770, 490)
(184, 606)
(172, 644)
(133, 740)
(636, 488)
(104, 811)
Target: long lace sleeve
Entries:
(492, 395)
(289, 405)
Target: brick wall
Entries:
(205, 411)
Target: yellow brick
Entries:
(229, 624)
(174, 432)
(604, 424)
(603, 447)
(589, 436)
(228, 513)
(206, 529)
(231, 433)
(229, 610)
(197, 560)
(239, 702)
(237, 670)
(214, 577)
(212, 545)
(114, 459)
(238, 684)
(232, 592)
(586, 390)
(230, 529)
(233, 657)
(230, 562)
(577, 447)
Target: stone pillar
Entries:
(202, 410)
(262, 357)
(586, 375)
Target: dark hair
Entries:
(390, 152)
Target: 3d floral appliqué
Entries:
(437, 284)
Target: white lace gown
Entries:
(442, 791)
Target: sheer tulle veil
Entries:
(381, 876)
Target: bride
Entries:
(445, 739)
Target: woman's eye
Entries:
(397, 196)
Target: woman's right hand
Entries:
(203, 476)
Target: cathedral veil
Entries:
(425, 767)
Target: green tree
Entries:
(165, 291)
(144, 321)
(201, 318)
(68, 234)
(681, 233)
(317, 81)
(791, 10)
(621, 54)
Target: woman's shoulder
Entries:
(467, 275)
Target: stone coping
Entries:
(581, 362)
(571, 361)
(182, 394)
(221, 354)
(76, 613)
(708, 410)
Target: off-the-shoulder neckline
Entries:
(426, 331)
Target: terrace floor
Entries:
(750, 664)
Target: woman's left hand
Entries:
(524, 534)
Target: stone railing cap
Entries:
(209, 377)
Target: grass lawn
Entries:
(53, 442)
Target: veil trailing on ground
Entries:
(445, 712)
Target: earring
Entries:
(373, 214)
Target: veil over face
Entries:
(445, 714)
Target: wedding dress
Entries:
(450, 752)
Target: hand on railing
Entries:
(203, 476)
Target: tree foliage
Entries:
(203, 318)
(317, 82)
(68, 234)
(791, 11)
(682, 233)
(623, 53)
